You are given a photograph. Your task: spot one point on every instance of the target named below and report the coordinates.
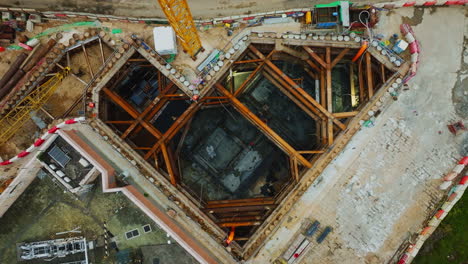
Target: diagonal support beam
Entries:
(171, 168)
(313, 65)
(345, 114)
(339, 57)
(131, 111)
(252, 75)
(292, 94)
(294, 85)
(315, 56)
(176, 126)
(263, 127)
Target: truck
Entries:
(324, 234)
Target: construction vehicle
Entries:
(180, 18)
(17, 117)
(324, 234)
(312, 229)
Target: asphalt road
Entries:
(151, 8)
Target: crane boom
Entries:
(180, 18)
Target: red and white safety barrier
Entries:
(393, 5)
(454, 173)
(414, 47)
(457, 193)
(38, 142)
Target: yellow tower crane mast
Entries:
(180, 18)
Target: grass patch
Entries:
(448, 243)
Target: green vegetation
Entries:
(448, 243)
(45, 209)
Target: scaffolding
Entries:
(179, 16)
(16, 118)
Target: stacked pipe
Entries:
(414, 47)
(22, 65)
(38, 142)
(15, 67)
(453, 196)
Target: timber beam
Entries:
(255, 120)
(370, 82)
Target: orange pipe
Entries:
(361, 51)
(231, 236)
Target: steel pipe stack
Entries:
(10, 73)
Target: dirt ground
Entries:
(385, 183)
(68, 91)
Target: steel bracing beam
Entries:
(160, 103)
(240, 200)
(252, 75)
(315, 56)
(382, 72)
(131, 111)
(240, 218)
(339, 57)
(251, 208)
(370, 82)
(170, 164)
(345, 114)
(329, 94)
(236, 224)
(239, 203)
(128, 122)
(292, 94)
(255, 120)
(296, 87)
(175, 127)
(361, 83)
(248, 61)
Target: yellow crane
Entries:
(16, 118)
(180, 18)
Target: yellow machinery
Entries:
(16, 118)
(179, 16)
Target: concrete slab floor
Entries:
(44, 209)
(385, 183)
